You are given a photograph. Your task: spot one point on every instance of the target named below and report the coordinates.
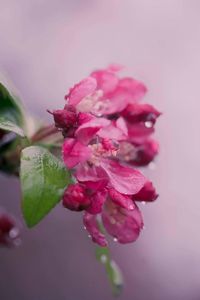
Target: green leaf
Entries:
(11, 112)
(8, 125)
(43, 180)
(112, 269)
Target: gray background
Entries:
(46, 46)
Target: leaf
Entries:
(43, 180)
(11, 112)
(5, 124)
(112, 269)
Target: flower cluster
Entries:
(107, 131)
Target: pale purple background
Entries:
(46, 46)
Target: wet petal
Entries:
(124, 225)
(84, 88)
(125, 180)
(106, 80)
(137, 112)
(93, 176)
(88, 129)
(121, 199)
(91, 225)
(74, 152)
(147, 193)
(97, 201)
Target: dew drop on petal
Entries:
(115, 239)
(148, 124)
(143, 203)
(89, 236)
(14, 232)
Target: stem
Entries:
(44, 132)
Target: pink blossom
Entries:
(107, 131)
(9, 230)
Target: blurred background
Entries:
(45, 47)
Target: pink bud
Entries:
(76, 198)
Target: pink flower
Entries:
(9, 230)
(107, 132)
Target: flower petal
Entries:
(124, 179)
(91, 225)
(97, 201)
(124, 225)
(74, 152)
(94, 177)
(147, 193)
(106, 80)
(120, 199)
(84, 88)
(137, 112)
(87, 130)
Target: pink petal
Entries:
(134, 87)
(124, 179)
(91, 225)
(97, 201)
(88, 129)
(124, 225)
(106, 80)
(138, 133)
(117, 130)
(145, 153)
(74, 152)
(94, 177)
(84, 88)
(137, 112)
(115, 67)
(121, 200)
(147, 193)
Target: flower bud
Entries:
(76, 198)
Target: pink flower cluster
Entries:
(107, 132)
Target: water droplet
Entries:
(143, 203)
(103, 259)
(89, 236)
(115, 239)
(84, 228)
(148, 124)
(131, 207)
(13, 233)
